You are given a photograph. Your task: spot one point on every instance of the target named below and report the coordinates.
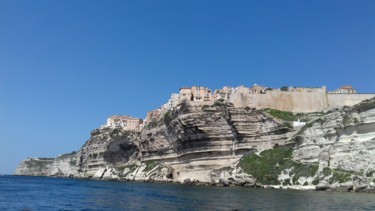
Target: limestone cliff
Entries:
(188, 142)
(342, 144)
(226, 145)
(194, 140)
(64, 165)
(108, 147)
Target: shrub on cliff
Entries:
(267, 166)
(219, 102)
(152, 124)
(284, 88)
(283, 115)
(167, 117)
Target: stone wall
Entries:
(339, 100)
(200, 103)
(295, 101)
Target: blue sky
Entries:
(67, 65)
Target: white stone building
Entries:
(344, 90)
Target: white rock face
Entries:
(64, 166)
(203, 139)
(343, 139)
(34, 167)
(106, 174)
(99, 173)
(108, 147)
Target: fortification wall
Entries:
(293, 101)
(339, 100)
(297, 100)
(200, 103)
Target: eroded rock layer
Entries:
(342, 141)
(201, 139)
(229, 145)
(191, 141)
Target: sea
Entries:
(45, 193)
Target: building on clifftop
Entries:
(258, 89)
(185, 94)
(195, 93)
(125, 122)
(223, 93)
(348, 89)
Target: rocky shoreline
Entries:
(224, 184)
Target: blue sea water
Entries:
(43, 193)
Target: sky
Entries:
(65, 66)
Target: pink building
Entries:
(195, 93)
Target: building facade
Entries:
(258, 89)
(344, 90)
(125, 122)
(201, 93)
(195, 93)
(223, 93)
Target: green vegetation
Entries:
(327, 171)
(121, 169)
(167, 117)
(152, 124)
(340, 177)
(286, 182)
(37, 165)
(337, 175)
(304, 170)
(289, 116)
(219, 102)
(286, 115)
(150, 165)
(268, 166)
(115, 131)
(73, 162)
(315, 182)
(370, 173)
(284, 88)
